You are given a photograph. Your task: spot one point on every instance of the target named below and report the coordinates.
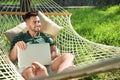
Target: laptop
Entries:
(34, 52)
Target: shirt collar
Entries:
(31, 36)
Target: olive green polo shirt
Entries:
(26, 37)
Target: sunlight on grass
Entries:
(111, 10)
(100, 24)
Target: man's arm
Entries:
(54, 52)
(13, 53)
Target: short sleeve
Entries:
(15, 40)
(48, 39)
(51, 41)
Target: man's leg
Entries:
(39, 69)
(62, 63)
(34, 71)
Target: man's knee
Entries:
(68, 56)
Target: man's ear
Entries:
(27, 23)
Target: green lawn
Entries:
(99, 24)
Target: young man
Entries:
(59, 64)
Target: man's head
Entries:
(32, 21)
(29, 14)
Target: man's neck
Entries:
(33, 34)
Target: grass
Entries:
(99, 24)
(10, 2)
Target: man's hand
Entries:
(13, 53)
(21, 45)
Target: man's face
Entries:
(34, 24)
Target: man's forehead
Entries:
(34, 18)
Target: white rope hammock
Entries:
(86, 53)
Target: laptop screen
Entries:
(34, 52)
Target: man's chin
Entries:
(37, 30)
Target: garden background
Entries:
(96, 20)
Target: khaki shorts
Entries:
(50, 72)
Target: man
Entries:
(60, 63)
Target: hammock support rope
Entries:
(47, 14)
(106, 65)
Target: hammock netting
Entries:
(90, 57)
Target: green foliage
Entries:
(9, 2)
(99, 24)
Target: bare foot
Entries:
(39, 70)
(28, 73)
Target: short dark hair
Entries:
(29, 14)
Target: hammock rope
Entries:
(106, 65)
(68, 40)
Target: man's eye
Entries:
(37, 21)
(34, 21)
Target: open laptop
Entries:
(34, 52)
